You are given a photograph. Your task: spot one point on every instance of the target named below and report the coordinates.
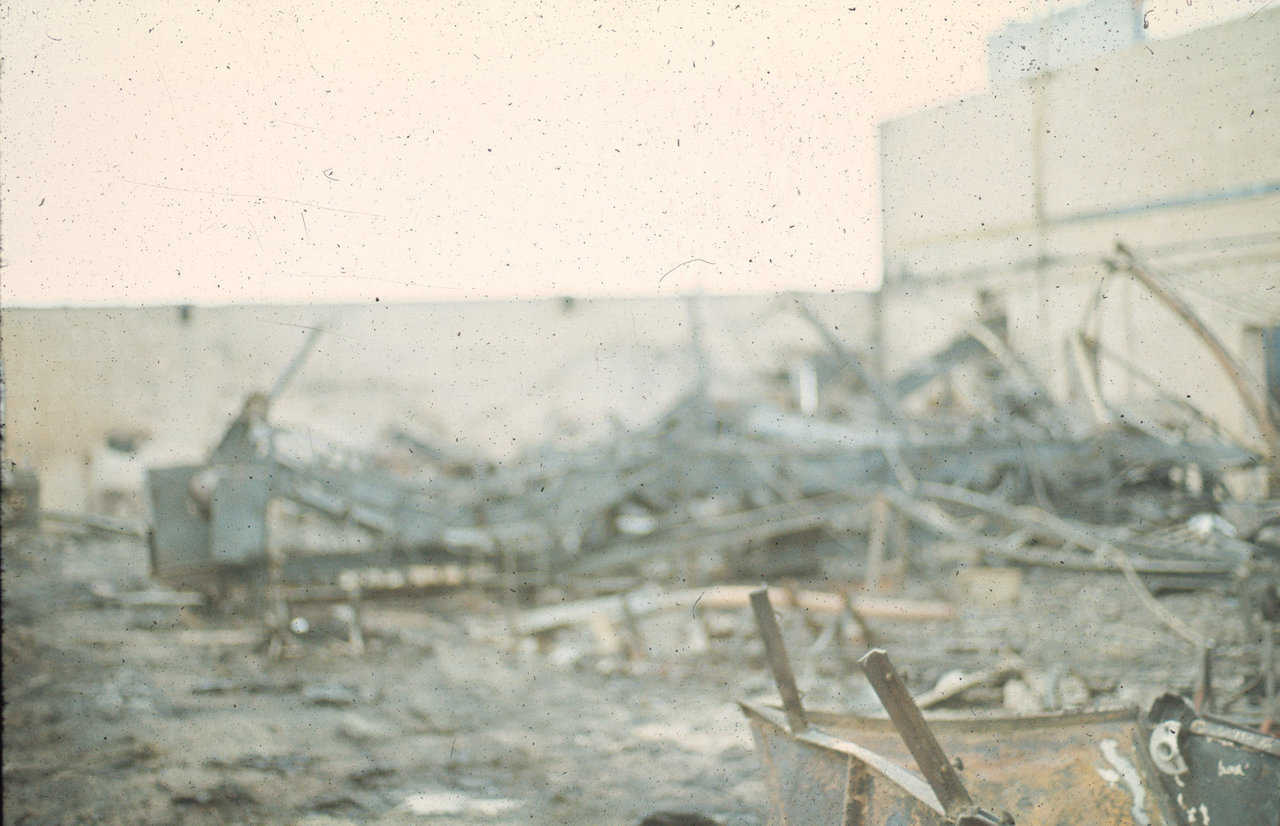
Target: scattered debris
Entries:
(280, 764)
(437, 804)
(939, 506)
(331, 694)
(194, 789)
(93, 522)
(19, 496)
(648, 601)
(954, 683)
(106, 593)
(359, 728)
(678, 819)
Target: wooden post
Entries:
(915, 733)
(901, 545)
(510, 599)
(776, 653)
(355, 629)
(277, 607)
(876, 542)
(635, 641)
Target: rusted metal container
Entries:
(1043, 770)
(1046, 770)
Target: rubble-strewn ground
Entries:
(123, 715)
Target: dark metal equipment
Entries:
(1206, 770)
(256, 499)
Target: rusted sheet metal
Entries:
(1046, 770)
(1113, 767)
(179, 537)
(816, 778)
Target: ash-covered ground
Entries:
(118, 714)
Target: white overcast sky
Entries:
(321, 151)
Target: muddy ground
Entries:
(161, 715)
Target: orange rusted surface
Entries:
(1048, 770)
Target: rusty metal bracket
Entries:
(924, 747)
(1240, 736)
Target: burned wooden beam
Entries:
(917, 735)
(651, 600)
(775, 651)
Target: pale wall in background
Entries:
(497, 377)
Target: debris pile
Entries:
(724, 479)
(956, 512)
(962, 461)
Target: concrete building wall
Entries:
(957, 175)
(1166, 143)
(1071, 36)
(496, 377)
(1169, 146)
